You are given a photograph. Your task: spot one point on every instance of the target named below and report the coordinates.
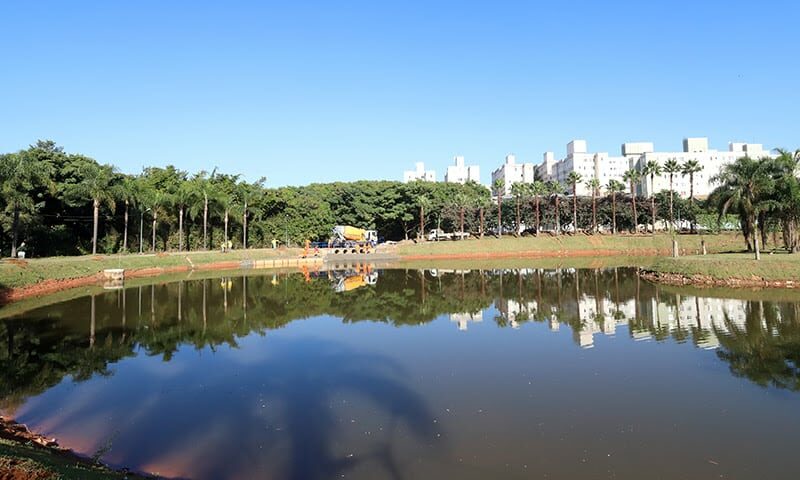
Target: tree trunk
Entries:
(633, 203)
(671, 215)
(614, 213)
(244, 227)
(205, 221)
(653, 212)
(461, 220)
(594, 211)
(480, 213)
(537, 215)
(558, 217)
(155, 219)
(226, 229)
(691, 201)
(421, 222)
(180, 229)
(517, 219)
(15, 232)
(125, 235)
(499, 215)
(575, 208)
(95, 220)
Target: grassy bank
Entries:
(24, 461)
(732, 268)
(546, 245)
(19, 274)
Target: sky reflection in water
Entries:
(410, 375)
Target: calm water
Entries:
(410, 374)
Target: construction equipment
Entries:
(347, 239)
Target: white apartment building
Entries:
(710, 160)
(590, 165)
(512, 172)
(419, 173)
(606, 167)
(460, 173)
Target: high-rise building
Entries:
(419, 173)
(512, 172)
(460, 173)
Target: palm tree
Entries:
(632, 176)
(499, 187)
(671, 167)
(19, 177)
(422, 202)
(461, 201)
(248, 192)
(94, 183)
(555, 189)
(652, 168)
(594, 185)
(690, 167)
(537, 189)
(128, 192)
(517, 191)
(183, 198)
(574, 178)
(613, 187)
(204, 199)
(745, 185)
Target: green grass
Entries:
(39, 460)
(622, 244)
(15, 274)
(771, 267)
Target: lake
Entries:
(404, 373)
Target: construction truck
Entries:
(347, 239)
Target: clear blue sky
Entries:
(322, 91)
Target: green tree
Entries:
(20, 176)
(499, 187)
(593, 185)
(652, 169)
(671, 167)
(537, 189)
(690, 167)
(95, 184)
(614, 187)
(632, 176)
(518, 192)
(574, 178)
(555, 190)
(745, 185)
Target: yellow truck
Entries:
(348, 239)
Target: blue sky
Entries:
(320, 91)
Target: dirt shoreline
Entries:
(699, 280)
(20, 434)
(57, 285)
(640, 252)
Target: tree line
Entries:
(59, 203)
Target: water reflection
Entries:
(160, 359)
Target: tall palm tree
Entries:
(690, 167)
(538, 188)
(20, 176)
(248, 192)
(499, 187)
(614, 187)
(555, 189)
(517, 191)
(94, 182)
(574, 178)
(594, 185)
(182, 199)
(422, 202)
(632, 176)
(671, 167)
(652, 169)
(461, 201)
(745, 184)
(129, 193)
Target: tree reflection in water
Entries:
(760, 340)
